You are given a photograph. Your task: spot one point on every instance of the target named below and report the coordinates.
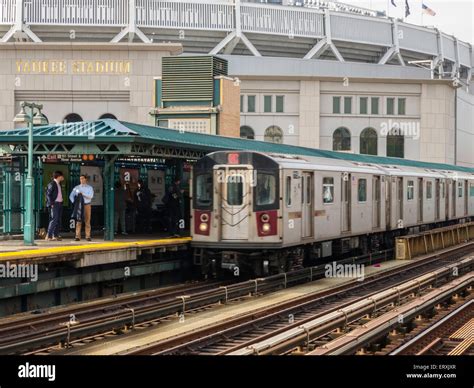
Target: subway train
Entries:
(265, 213)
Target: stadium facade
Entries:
(316, 73)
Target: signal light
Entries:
(233, 158)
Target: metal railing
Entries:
(7, 11)
(77, 12)
(196, 15)
(278, 20)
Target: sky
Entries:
(453, 17)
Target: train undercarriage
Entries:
(217, 263)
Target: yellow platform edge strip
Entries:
(92, 248)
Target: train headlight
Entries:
(203, 227)
(264, 218)
(266, 227)
(204, 217)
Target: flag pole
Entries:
(422, 12)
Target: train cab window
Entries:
(328, 190)
(362, 190)
(288, 191)
(460, 189)
(235, 190)
(266, 189)
(410, 190)
(429, 190)
(203, 190)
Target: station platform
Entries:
(98, 251)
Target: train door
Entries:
(437, 199)
(388, 202)
(234, 202)
(419, 205)
(400, 201)
(346, 202)
(447, 192)
(376, 202)
(466, 198)
(453, 198)
(307, 205)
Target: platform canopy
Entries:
(117, 138)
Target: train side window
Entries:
(288, 191)
(471, 190)
(308, 189)
(328, 190)
(266, 188)
(410, 190)
(443, 188)
(429, 190)
(362, 190)
(460, 189)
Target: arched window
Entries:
(274, 134)
(341, 140)
(395, 144)
(368, 141)
(108, 116)
(72, 118)
(246, 132)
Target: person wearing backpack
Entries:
(54, 204)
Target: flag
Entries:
(407, 9)
(427, 10)
(393, 3)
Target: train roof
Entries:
(327, 163)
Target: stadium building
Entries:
(316, 73)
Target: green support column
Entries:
(109, 177)
(38, 185)
(7, 200)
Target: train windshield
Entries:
(266, 188)
(204, 190)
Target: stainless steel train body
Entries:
(268, 213)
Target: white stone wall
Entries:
(465, 128)
(288, 121)
(437, 123)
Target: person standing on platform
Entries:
(143, 200)
(174, 204)
(120, 207)
(87, 192)
(54, 203)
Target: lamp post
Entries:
(31, 119)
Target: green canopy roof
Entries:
(109, 131)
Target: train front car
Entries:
(236, 212)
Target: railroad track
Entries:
(244, 331)
(451, 334)
(30, 331)
(91, 321)
(367, 334)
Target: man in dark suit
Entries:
(54, 203)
